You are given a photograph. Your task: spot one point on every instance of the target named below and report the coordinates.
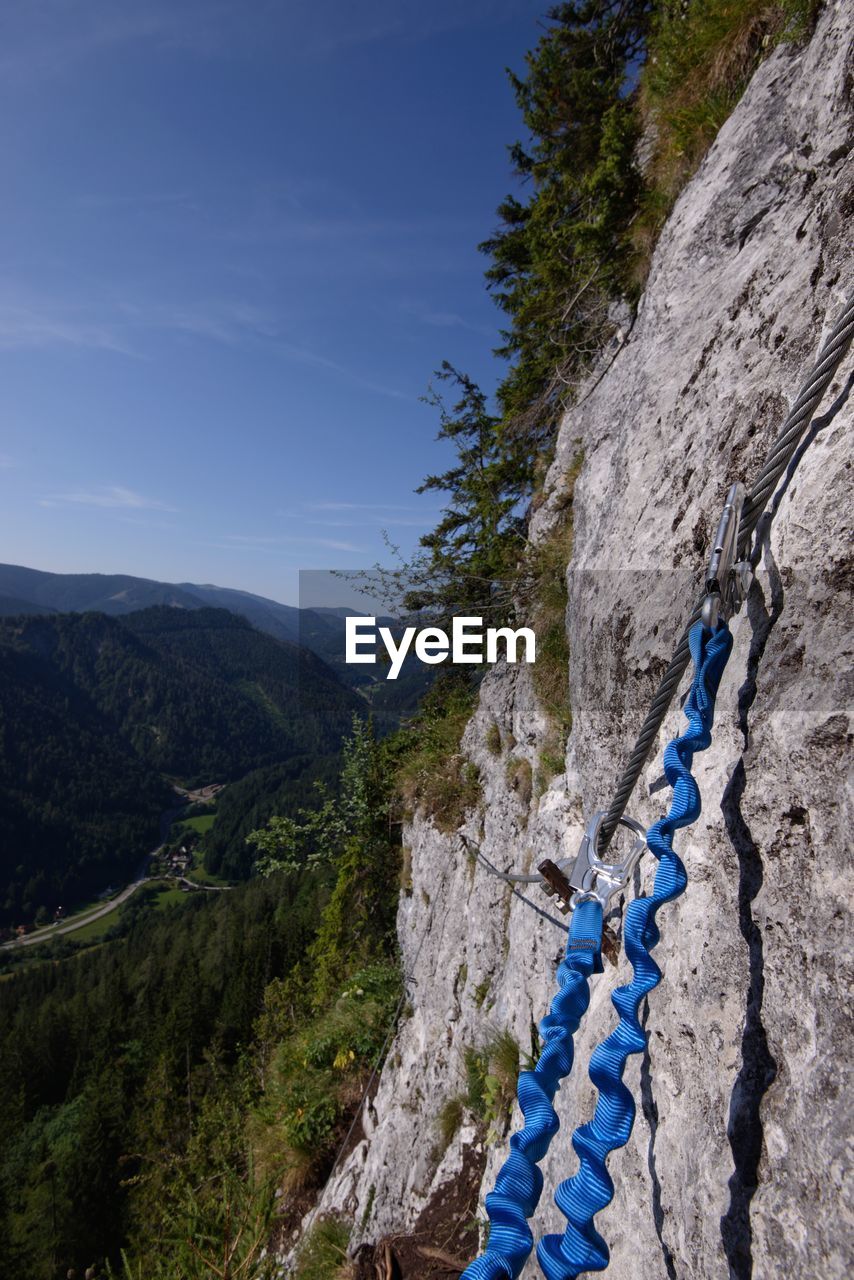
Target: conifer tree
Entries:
(560, 256)
(558, 259)
(470, 555)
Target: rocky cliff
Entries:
(738, 1155)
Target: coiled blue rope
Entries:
(519, 1183)
(581, 1248)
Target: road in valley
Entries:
(112, 904)
(76, 922)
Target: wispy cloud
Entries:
(46, 41)
(326, 27)
(266, 542)
(252, 540)
(363, 515)
(100, 321)
(230, 321)
(114, 497)
(377, 522)
(49, 325)
(303, 356)
(128, 327)
(358, 506)
(438, 319)
(121, 203)
(163, 526)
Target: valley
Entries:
(91, 923)
(104, 718)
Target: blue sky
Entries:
(237, 238)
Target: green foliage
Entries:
(575, 238)
(200, 824)
(557, 260)
(323, 1253)
(432, 771)
(310, 1078)
(317, 835)
(491, 1074)
(449, 1119)
(558, 257)
(551, 764)
(481, 991)
(247, 805)
(476, 1070)
(472, 551)
(324, 1026)
(493, 739)
(542, 590)
(701, 55)
(520, 779)
(358, 922)
(127, 1073)
(122, 1075)
(67, 778)
(219, 1228)
(279, 845)
(94, 710)
(369, 1207)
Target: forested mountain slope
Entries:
(320, 630)
(109, 1060)
(155, 1088)
(97, 713)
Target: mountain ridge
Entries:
(122, 593)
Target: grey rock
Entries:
(740, 1149)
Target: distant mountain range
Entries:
(321, 630)
(32, 591)
(25, 590)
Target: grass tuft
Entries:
(700, 59)
(491, 1075)
(520, 779)
(434, 774)
(448, 1121)
(323, 1253)
(543, 594)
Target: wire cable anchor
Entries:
(591, 878)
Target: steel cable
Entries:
(796, 424)
(581, 1197)
(782, 451)
(800, 416)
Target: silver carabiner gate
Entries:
(727, 582)
(591, 877)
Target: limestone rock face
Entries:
(738, 1155)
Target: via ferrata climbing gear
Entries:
(519, 1182)
(581, 1248)
(588, 887)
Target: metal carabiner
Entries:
(593, 878)
(727, 582)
